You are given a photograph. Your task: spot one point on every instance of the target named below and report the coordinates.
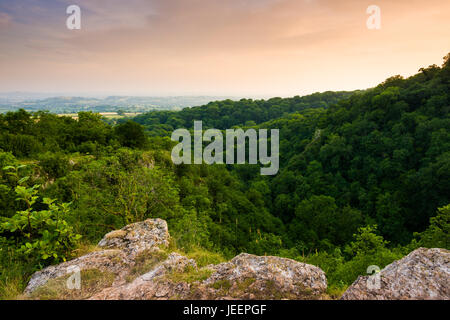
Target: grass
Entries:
(11, 286)
(336, 292)
(203, 257)
(84, 248)
(190, 275)
(14, 275)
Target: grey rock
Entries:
(424, 274)
(120, 249)
(151, 285)
(138, 237)
(114, 261)
(274, 276)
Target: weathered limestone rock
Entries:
(274, 277)
(152, 285)
(138, 237)
(141, 269)
(121, 247)
(244, 277)
(114, 261)
(423, 274)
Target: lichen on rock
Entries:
(137, 237)
(273, 277)
(424, 274)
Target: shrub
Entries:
(55, 165)
(438, 233)
(42, 236)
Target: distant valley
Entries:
(70, 105)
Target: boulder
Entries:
(266, 277)
(113, 261)
(138, 237)
(424, 274)
(152, 285)
(120, 249)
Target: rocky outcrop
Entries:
(153, 284)
(135, 263)
(138, 237)
(120, 249)
(423, 274)
(244, 277)
(136, 257)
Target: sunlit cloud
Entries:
(233, 47)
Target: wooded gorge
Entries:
(364, 179)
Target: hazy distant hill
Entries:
(34, 102)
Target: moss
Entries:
(246, 283)
(221, 285)
(271, 291)
(92, 282)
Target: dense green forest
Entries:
(364, 179)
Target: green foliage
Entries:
(204, 257)
(437, 235)
(42, 236)
(55, 165)
(366, 242)
(131, 134)
(320, 224)
(366, 250)
(14, 273)
(226, 114)
(265, 244)
(115, 190)
(191, 231)
(189, 275)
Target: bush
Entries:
(368, 249)
(55, 165)
(40, 236)
(438, 233)
(131, 134)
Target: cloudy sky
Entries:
(216, 47)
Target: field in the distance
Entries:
(107, 115)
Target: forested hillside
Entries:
(364, 179)
(226, 114)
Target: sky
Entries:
(251, 48)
